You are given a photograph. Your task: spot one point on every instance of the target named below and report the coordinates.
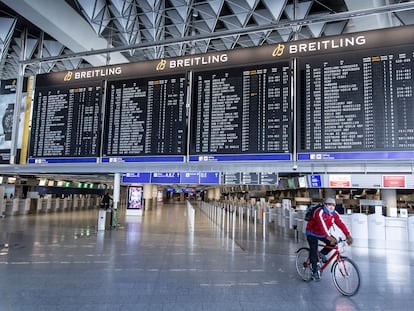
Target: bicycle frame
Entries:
(335, 256)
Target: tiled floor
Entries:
(155, 262)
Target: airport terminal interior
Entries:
(162, 154)
(162, 261)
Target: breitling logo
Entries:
(68, 76)
(278, 51)
(161, 65)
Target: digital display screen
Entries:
(135, 195)
(66, 121)
(357, 102)
(146, 117)
(242, 111)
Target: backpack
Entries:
(311, 209)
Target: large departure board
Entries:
(146, 117)
(242, 111)
(66, 121)
(357, 102)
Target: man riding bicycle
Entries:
(318, 229)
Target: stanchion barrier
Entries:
(240, 215)
(255, 219)
(265, 216)
(234, 220)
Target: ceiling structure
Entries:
(42, 36)
(70, 34)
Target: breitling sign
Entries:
(241, 57)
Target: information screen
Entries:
(66, 121)
(242, 111)
(357, 102)
(146, 117)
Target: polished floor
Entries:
(60, 261)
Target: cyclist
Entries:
(318, 229)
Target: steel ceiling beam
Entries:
(273, 26)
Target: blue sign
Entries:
(242, 157)
(137, 178)
(61, 160)
(143, 159)
(189, 177)
(316, 181)
(380, 155)
(210, 178)
(165, 178)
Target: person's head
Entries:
(330, 204)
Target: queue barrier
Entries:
(372, 231)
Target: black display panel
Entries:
(146, 117)
(242, 111)
(357, 102)
(66, 121)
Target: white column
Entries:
(390, 198)
(117, 190)
(154, 193)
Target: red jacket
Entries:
(322, 221)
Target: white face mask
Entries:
(330, 208)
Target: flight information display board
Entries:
(146, 116)
(66, 121)
(357, 103)
(241, 111)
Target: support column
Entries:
(154, 195)
(147, 196)
(390, 198)
(115, 200)
(117, 190)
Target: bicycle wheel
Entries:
(303, 264)
(346, 276)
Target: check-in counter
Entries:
(410, 223)
(48, 204)
(16, 203)
(24, 206)
(57, 204)
(346, 219)
(43, 207)
(39, 204)
(2, 208)
(52, 205)
(359, 229)
(9, 207)
(75, 203)
(280, 217)
(65, 205)
(376, 230)
(396, 232)
(292, 218)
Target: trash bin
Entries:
(102, 219)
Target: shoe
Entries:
(323, 257)
(316, 276)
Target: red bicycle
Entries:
(345, 273)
